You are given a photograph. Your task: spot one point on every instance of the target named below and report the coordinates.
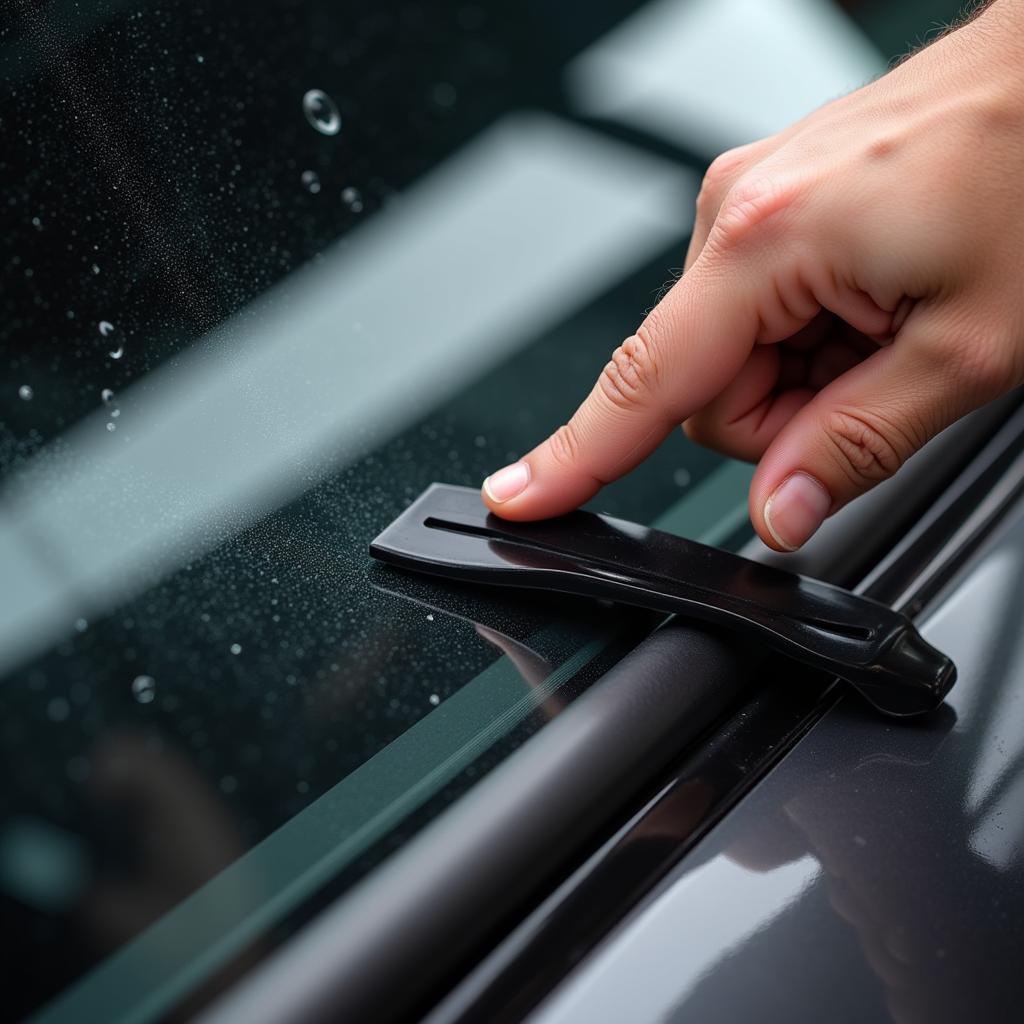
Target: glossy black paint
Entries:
(708, 781)
(448, 531)
(876, 875)
(698, 790)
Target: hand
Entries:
(852, 287)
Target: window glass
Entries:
(271, 269)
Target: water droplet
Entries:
(81, 625)
(200, 58)
(58, 710)
(236, 648)
(144, 689)
(480, 441)
(37, 224)
(95, 268)
(352, 199)
(302, 786)
(430, 616)
(108, 400)
(434, 699)
(25, 393)
(113, 335)
(321, 112)
(681, 477)
(111, 427)
(311, 182)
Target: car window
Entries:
(270, 270)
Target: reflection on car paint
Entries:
(914, 843)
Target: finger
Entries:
(685, 352)
(744, 418)
(773, 385)
(720, 176)
(859, 430)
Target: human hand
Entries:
(852, 287)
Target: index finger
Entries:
(683, 354)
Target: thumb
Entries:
(860, 429)
(685, 352)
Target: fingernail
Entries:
(795, 510)
(508, 482)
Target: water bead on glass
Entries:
(114, 337)
(321, 112)
(144, 689)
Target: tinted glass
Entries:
(270, 269)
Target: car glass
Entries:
(271, 269)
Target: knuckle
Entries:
(565, 446)
(867, 447)
(725, 166)
(707, 202)
(716, 181)
(750, 204)
(882, 146)
(630, 376)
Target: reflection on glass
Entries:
(271, 270)
(257, 297)
(712, 74)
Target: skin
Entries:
(853, 286)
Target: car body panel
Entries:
(875, 874)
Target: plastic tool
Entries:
(448, 532)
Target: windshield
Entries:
(271, 269)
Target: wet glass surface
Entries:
(271, 269)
